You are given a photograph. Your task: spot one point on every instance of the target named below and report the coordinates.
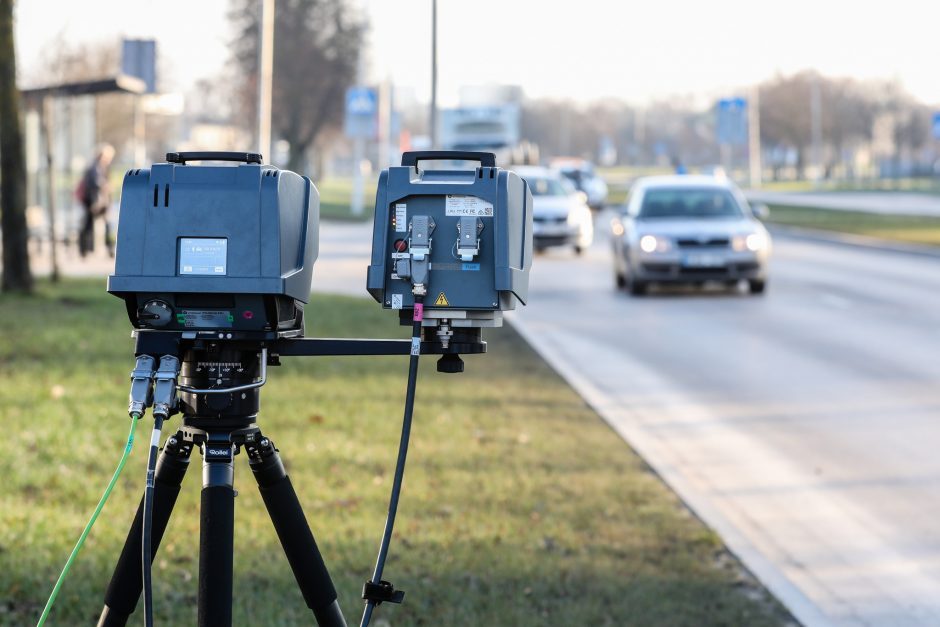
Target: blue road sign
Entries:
(731, 126)
(362, 108)
(139, 59)
(936, 125)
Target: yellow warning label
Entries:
(441, 301)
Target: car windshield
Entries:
(689, 202)
(542, 186)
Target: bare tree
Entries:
(16, 274)
(316, 50)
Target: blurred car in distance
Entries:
(581, 173)
(561, 216)
(689, 229)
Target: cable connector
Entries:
(164, 387)
(141, 395)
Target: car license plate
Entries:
(549, 229)
(703, 260)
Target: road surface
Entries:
(802, 425)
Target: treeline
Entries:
(864, 127)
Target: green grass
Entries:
(921, 185)
(520, 507)
(335, 196)
(913, 229)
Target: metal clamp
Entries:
(382, 591)
(237, 388)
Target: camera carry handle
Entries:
(242, 157)
(486, 159)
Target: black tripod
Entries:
(221, 425)
(219, 384)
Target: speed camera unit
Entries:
(216, 248)
(463, 236)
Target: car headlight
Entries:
(752, 242)
(652, 244)
(577, 216)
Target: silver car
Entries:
(560, 215)
(688, 229)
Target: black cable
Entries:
(145, 547)
(402, 453)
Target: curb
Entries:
(801, 608)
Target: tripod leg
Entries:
(294, 533)
(126, 582)
(216, 535)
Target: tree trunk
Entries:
(16, 274)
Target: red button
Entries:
(248, 315)
(400, 245)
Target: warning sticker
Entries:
(401, 218)
(396, 301)
(442, 301)
(467, 206)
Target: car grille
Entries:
(714, 242)
(552, 220)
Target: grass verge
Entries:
(913, 229)
(519, 507)
(335, 197)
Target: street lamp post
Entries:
(433, 112)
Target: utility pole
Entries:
(433, 113)
(753, 137)
(385, 124)
(265, 77)
(359, 143)
(815, 108)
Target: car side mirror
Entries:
(760, 210)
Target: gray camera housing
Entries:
(260, 227)
(466, 289)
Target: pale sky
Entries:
(579, 50)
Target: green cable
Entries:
(81, 540)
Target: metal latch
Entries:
(468, 241)
(420, 241)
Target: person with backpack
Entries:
(94, 193)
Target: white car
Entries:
(689, 229)
(582, 176)
(560, 214)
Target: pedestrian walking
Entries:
(94, 192)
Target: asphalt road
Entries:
(802, 424)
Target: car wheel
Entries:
(578, 250)
(638, 288)
(757, 286)
(621, 280)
